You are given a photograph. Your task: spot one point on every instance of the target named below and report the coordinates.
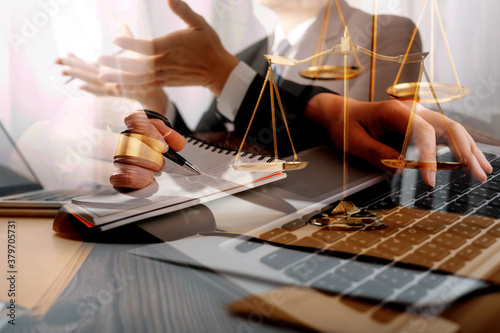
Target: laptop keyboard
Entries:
(430, 233)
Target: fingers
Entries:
(148, 79)
(425, 143)
(176, 141)
(182, 9)
(363, 145)
(124, 30)
(72, 61)
(131, 176)
(137, 122)
(143, 64)
(483, 162)
(477, 165)
(86, 76)
(142, 46)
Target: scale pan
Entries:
(432, 165)
(444, 91)
(328, 72)
(277, 165)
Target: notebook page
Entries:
(176, 185)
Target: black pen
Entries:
(170, 154)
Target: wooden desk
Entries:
(114, 291)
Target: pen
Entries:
(97, 65)
(170, 154)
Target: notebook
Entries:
(21, 192)
(440, 246)
(175, 187)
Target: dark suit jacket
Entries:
(294, 98)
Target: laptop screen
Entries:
(15, 174)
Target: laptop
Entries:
(21, 192)
(440, 245)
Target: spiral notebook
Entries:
(175, 187)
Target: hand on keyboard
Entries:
(369, 121)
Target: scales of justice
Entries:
(346, 215)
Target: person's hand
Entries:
(368, 121)
(193, 56)
(151, 96)
(134, 171)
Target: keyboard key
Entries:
(386, 313)
(492, 185)
(294, 225)
(332, 283)
(483, 192)
(395, 246)
(385, 232)
(481, 222)
(395, 277)
(469, 252)
(286, 238)
(490, 156)
(371, 291)
(328, 236)
(443, 218)
(413, 212)
(364, 238)
(415, 259)
(445, 195)
(311, 267)
(429, 202)
(471, 200)
(449, 240)
(271, 234)
(432, 280)
(413, 236)
(432, 251)
(458, 187)
(495, 202)
(355, 271)
(399, 220)
(465, 230)
(347, 247)
(458, 208)
(429, 226)
(489, 210)
(283, 257)
(247, 246)
(494, 231)
(484, 241)
(308, 242)
(384, 204)
(452, 265)
(412, 294)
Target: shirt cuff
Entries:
(234, 90)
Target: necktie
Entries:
(283, 47)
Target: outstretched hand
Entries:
(193, 56)
(368, 121)
(151, 96)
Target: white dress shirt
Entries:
(242, 76)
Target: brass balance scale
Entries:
(346, 215)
